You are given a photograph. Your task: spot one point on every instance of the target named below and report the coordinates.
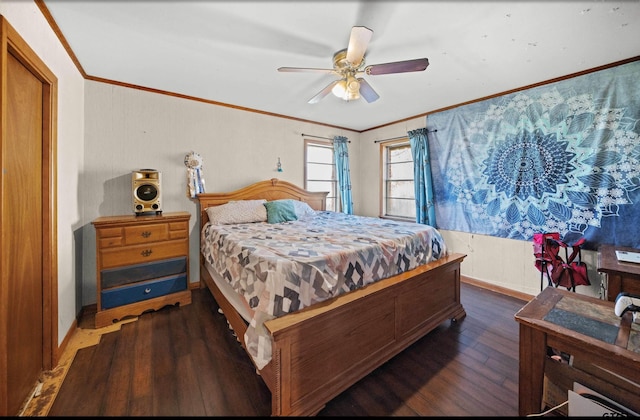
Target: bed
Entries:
(319, 349)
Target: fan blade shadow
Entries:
(418, 64)
(228, 24)
(376, 15)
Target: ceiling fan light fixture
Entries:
(353, 89)
(352, 84)
(347, 89)
(351, 96)
(340, 89)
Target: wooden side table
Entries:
(621, 276)
(604, 349)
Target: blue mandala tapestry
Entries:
(563, 157)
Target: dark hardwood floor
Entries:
(185, 362)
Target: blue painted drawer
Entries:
(134, 273)
(137, 292)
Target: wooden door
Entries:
(28, 287)
(22, 227)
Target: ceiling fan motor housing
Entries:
(341, 64)
(348, 88)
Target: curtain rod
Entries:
(401, 137)
(319, 137)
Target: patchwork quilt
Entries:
(281, 268)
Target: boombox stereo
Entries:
(145, 186)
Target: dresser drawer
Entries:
(110, 237)
(116, 257)
(120, 276)
(178, 230)
(142, 291)
(142, 234)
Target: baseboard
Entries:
(63, 345)
(498, 289)
(77, 323)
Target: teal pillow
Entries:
(279, 211)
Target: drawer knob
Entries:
(146, 253)
(146, 234)
(147, 291)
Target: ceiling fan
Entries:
(349, 65)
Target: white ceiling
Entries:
(229, 52)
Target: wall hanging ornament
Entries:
(195, 182)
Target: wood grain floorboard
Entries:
(184, 361)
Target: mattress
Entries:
(281, 268)
(236, 300)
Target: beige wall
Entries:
(28, 21)
(128, 129)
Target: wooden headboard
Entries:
(271, 189)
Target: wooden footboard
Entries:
(322, 350)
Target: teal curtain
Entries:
(425, 209)
(341, 155)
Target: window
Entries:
(398, 195)
(320, 171)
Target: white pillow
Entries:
(243, 211)
(302, 209)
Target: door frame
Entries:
(12, 43)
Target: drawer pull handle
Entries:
(147, 291)
(146, 253)
(146, 234)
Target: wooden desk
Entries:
(605, 349)
(621, 276)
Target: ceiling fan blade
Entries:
(367, 92)
(358, 43)
(418, 64)
(324, 92)
(305, 69)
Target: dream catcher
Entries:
(195, 182)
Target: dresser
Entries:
(142, 264)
